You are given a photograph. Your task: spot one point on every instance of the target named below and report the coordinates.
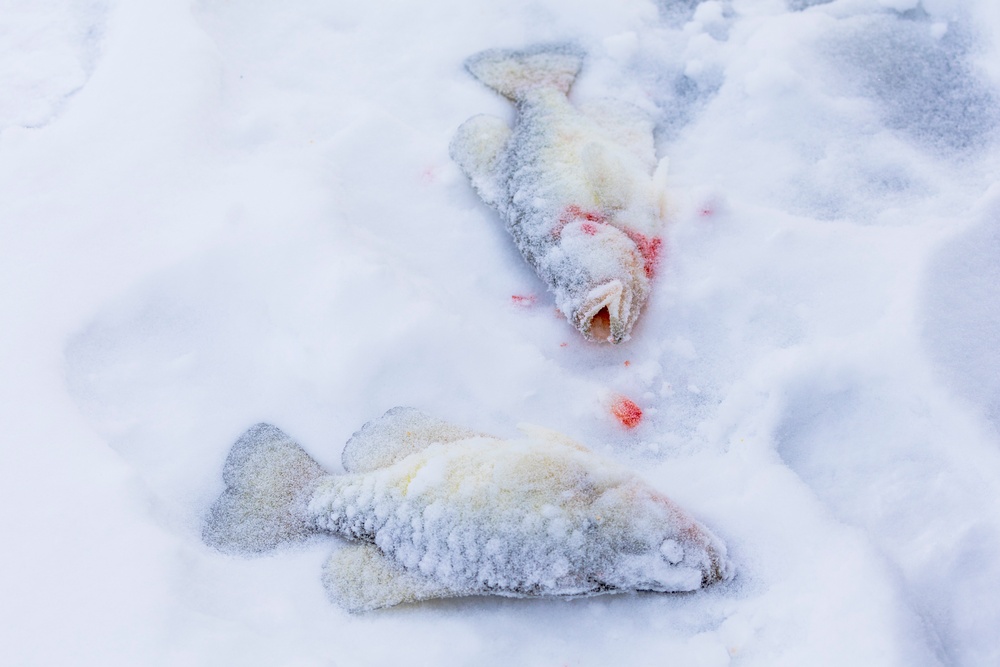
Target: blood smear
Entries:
(627, 412)
(523, 300)
(429, 174)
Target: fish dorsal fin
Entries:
(359, 578)
(476, 147)
(515, 74)
(394, 436)
(626, 124)
(536, 432)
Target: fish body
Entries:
(575, 187)
(433, 511)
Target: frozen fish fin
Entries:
(549, 435)
(395, 435)
(660, 185)
(360, 578)
(267, 477)
(609, 182)
(626, 124)
(475, 148)
(514, 74)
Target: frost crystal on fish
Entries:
(574, 186)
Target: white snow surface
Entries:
(219, 213)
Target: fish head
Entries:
(606, 281)
(658, 547)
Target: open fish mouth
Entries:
(606, 313)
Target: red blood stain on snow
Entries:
(588, 228)
(523, 300)
(563, 344)
(711, 207)
(429, 174)
(627, 412)
(628, 363)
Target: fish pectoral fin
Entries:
(625, 124)
(475, 148)
(394, 436)
(359, 577)
(608, 178)
(660, 186)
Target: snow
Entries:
(216, 214)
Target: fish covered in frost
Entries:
(432, 510)
(579, 188)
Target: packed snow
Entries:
(219, 213)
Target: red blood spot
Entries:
(563, 344)
(649, 248)
(628, 363)
(627, 412)
(588, 228)
(523, 300)
(711, 206)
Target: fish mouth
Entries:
(718, 568)
(606, 313)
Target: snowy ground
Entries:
(218, 213)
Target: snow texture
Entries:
(220, 213)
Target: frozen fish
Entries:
(579, 188)
(432, 510)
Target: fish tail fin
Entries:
(514, 73)
(267, 477)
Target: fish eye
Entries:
(672, 551)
